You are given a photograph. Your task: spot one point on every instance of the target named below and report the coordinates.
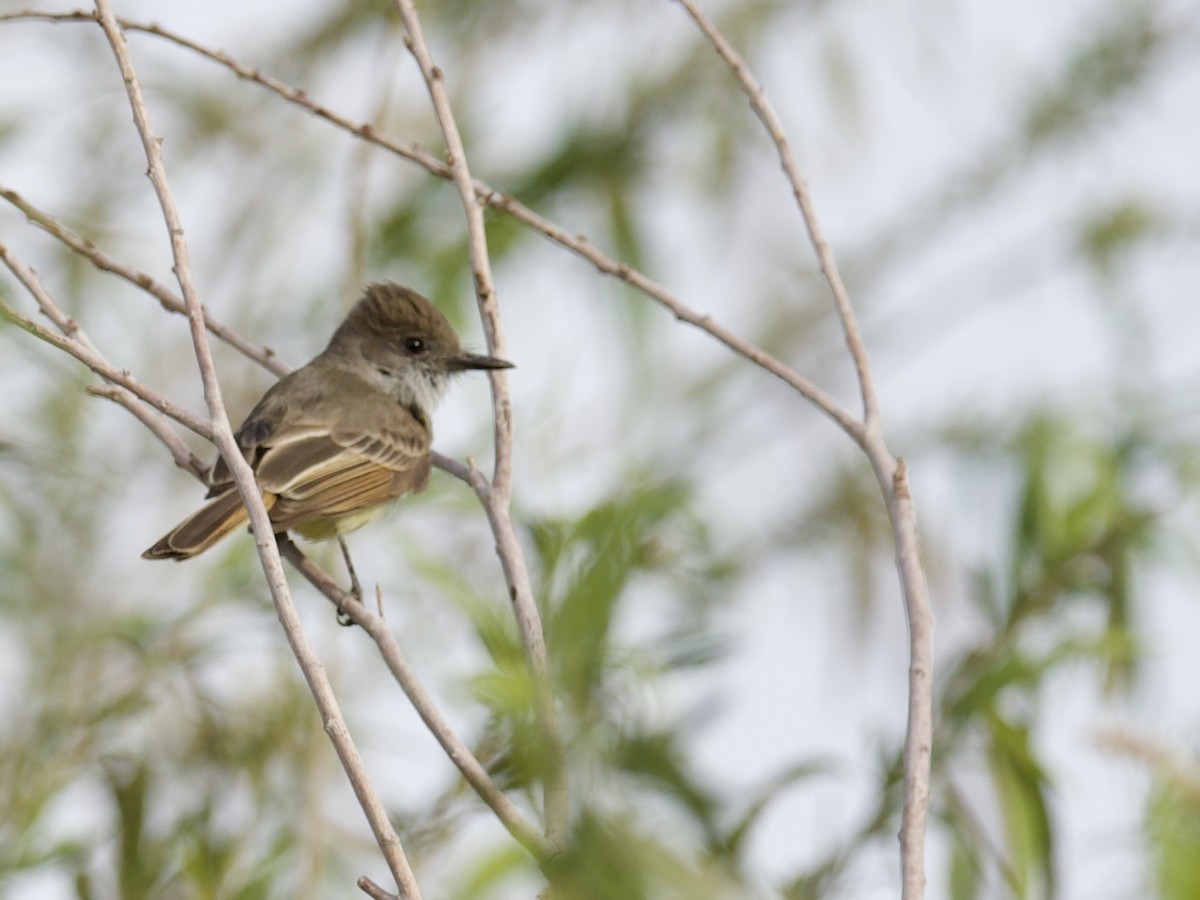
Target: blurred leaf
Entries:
(659, 758)
(761, 799)
(975, 682)
(608, 858)
(1173, 820)
(610, 543)
(1020, 784)
(1115, 59)
(1112, 231)
(966, 873)
(1081, 523)
(488, 870)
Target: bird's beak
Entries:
(465, 361)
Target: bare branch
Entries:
(157, 424)
(816, 235)
(264, 356)
(285, 609)
(481, 270)
(457, 750)
(74, 341)
(497, 498)
(867, 434)
(660, 294)
(893, 482)
(460, 754)
(918, 738)
(371, 889)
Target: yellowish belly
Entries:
(330, 528)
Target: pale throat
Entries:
(413, 385)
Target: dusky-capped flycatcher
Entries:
(334, 442)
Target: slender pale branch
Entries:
(264, 356)
(374, 891)
(660, 294)
(481, 267)
(456, 749)
(766, 113)
(157, 424)
(460, 754)
(890, 473)
(496, 498)
(918, 738)
(893, 482)
(74, 341)
(314, 672)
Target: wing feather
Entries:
(322, 457)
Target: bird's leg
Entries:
(355, 588)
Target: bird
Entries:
(335, 442)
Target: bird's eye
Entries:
(414, 345)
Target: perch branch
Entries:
(314, 671)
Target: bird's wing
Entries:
(318, 472)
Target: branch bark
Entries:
(314, 671)
(460, 754)
(75, 341)
(264, 356)
(867, 433)
(893, 483)
(496, 496)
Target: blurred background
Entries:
(1012, 193)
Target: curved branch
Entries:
(460, 754)
(893, 483)
(766, 113)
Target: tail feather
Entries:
(203, 528)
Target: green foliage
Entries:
(1173, 820)
(1113, 61)
(1108, 234)
(1021, 787)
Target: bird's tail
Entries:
(203, 528)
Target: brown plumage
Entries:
(334, 442)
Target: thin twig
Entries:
(576, 244)
(264, 356)
(481, 269)
(374, 891)
(893, 482)
(766, 113)
(918, 738)
(74, 341)
(460, 754)
(157, 424)
(890, 474)
(497, 499)
(314, 672)
(660, 294)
